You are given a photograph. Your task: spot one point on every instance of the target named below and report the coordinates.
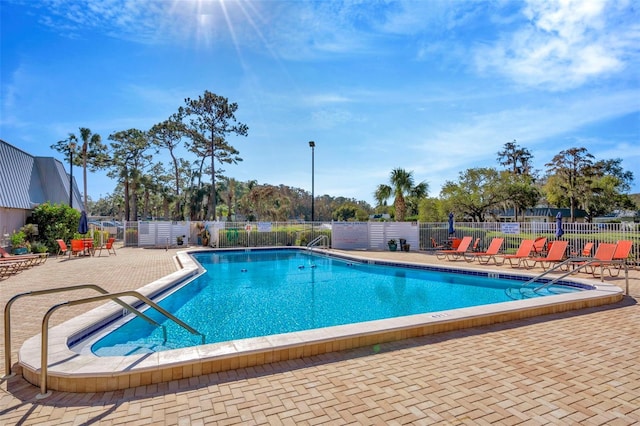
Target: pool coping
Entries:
(72, 372)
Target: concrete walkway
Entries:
(580, 367)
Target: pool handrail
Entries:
(316, 241)
(113, 296)
(7, 315)
(584, 262)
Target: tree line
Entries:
(151, 189)
(175, 191)
(573, 179)
(147, 189)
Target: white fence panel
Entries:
(162, 234)
(147, 232)
(373, 235)
(377, 235)
(408, 231)
(350, 235)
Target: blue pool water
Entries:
(262, 292)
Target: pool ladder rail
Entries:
(526, 292)
(45, 322)
(317, 241)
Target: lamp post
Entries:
(72, 146)
(312, 144)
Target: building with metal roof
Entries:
(27, 181)
(540, 214)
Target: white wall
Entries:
(373, 235)
(11, 220)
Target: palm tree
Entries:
(401, 185)
(94, 153)
(93, 144)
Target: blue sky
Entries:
(434, 87)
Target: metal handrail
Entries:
(557, 266)
(113, 296)
(317, 240)
(7, 315)
(587, 261)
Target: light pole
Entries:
(72, 146)
(312, 144)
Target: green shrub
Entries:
(30, 231)
(39, 247)
(55, 221)
(18, 240)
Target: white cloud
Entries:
(565, 44)
(327, 98)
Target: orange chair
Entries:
(455, 253)
(32, 258)
(623, 248)
(11, 267)
(586, 250)
(555, 254)
(77, 247)
(88, 246)
(435, 245)
(62, 248)
(454, 243)
(539, 245)
(604, 256)
(523, 252)
(485, 256)
(109, 246)
(548, 247)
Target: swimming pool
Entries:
(259, 293)
(71, 371)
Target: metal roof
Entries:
(545, 212)
(26, 181)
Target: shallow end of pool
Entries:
(72, 372)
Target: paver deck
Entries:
(580, 367)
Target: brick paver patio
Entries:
(580, 367)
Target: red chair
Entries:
(33, 258)
(458, 252)
(539, 245)
(455, 242)
(11, 267)
(109, 246)
(524, 252)
(77, 247)
(604, 256)
(556, 254)
(62, 248)
(586, 250)
(623, 248)
(88, 246)
(485, 256)
(435, 245)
